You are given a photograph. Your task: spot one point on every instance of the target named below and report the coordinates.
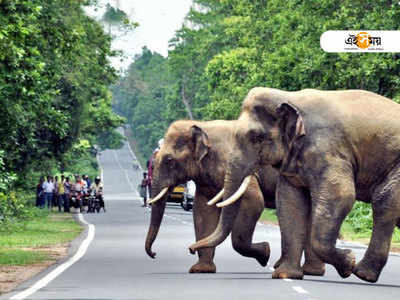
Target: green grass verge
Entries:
(52, 229)
(348, 233)
(17, 257)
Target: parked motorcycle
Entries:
(94, 204)
(76, 200)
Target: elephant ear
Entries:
(290, 122)
(200, 141)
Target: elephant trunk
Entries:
(157, 213)
(233, 180)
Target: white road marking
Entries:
(61, 268)
(133, 154)
(124, 170)
(129, 181)
(101, 169)
(299, 289)
(116, 159)
(175, 218)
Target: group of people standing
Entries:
(54, 192)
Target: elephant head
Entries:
(179, 160)
(267, 133)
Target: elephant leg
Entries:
(313, 265)
(332, 199)
(205, 221)
(251, 208)
(281, 259)
(293, 212)
(386, 212)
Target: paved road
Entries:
(116, 266)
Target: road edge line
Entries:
(129, 146)
(41, 283)
(101, 169)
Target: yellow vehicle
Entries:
(180, 195)
(177, 194)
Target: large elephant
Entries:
(198, 151)
(331, 148)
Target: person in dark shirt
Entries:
(143, 189)
(40, 193)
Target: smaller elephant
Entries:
(197, 151)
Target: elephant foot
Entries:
(285, 271)
(346, 269)
(314, 269)
(263, 260)
(278, 263)
(203, 268)
(364, 272)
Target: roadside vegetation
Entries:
(56, 112)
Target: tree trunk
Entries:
(186, 102)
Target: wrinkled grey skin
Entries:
(330, 147)
(196, 151)
(199, 151)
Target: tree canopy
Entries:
(54, 81)
(226, 47)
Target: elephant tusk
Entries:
(159, 196)
(216, 198)
(232, 199)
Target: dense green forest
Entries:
(55, 79)
(226, 47)
(54, 84)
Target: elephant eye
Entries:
(169, 161)
(257, 136)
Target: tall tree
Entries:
(54, 78)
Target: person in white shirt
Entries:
(48, 188)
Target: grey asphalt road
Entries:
(116, 266)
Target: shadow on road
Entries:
(353, 283)
(214, 274)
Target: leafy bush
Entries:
(6, 178)
(360, 217)
(80, 162)
(16, 210)
(361, 220)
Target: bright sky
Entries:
(158, 20)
